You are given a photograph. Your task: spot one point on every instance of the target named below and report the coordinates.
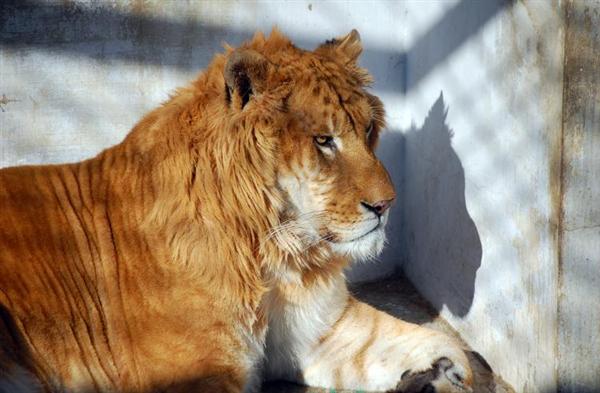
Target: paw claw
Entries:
(456, 375)
(431, 380)
(416, 382)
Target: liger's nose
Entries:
(378, 207)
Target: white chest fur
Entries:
(298, 318)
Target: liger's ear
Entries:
(348, 47)
(245, 76)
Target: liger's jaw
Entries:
(362, 243)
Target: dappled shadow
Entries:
(460, 23)
(443, 248)
(106, 33)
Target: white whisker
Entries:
(293, 234)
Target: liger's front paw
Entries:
(443, 377)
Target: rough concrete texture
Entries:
(579, 280)
(397, 297)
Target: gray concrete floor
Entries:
(396, 296)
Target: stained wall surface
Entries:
(579, 280)
(492, 142)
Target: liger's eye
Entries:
(324, 140)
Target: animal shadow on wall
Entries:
(431, 230)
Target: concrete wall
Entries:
(497, 222)
(482, 186)
(501, 203)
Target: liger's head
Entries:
(336, 192)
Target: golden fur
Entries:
(167, 262)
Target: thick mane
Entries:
(212, 172)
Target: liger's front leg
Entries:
(346, 344)
(370, 350)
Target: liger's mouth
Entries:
(370, 231)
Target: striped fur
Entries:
(206, 251)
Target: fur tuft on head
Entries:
(347, 48)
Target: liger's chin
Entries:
(364, 248)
